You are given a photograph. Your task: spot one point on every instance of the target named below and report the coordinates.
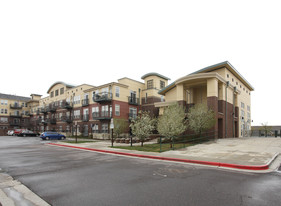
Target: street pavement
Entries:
(63, 176)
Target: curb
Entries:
(216, 164)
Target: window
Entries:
(150, 84)
(242, 113)
(95, 111)
(133, 113)
(3, 119)
(117, 91)
(95, 128)
(2, 102)
(76, 100)
(232, 80)
(52, 94)
(117, 110)
(2, 111)
(145, 100)
(248, 115)
(76, 114)
(104, 128)
(162, 98)
(6, 111)
(242, 105)
(61, 91)
(104, 111)
(57, 92)
(248, 108)
(227, 75)
(162, 84)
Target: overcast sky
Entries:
(97, 42)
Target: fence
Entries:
(263, 133)
(180, 142)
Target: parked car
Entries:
(17, 131)
(51, 135)
(28, 133)
(10, 133)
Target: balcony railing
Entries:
(53, 120)
(18, 115)
(133, 100)
(15, 123)
(67, 105)
(52, 108)
(44, 110)
(85, 102)
(103, 97)
(102, 115)
(15, 106)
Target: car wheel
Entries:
(24, 135)
(47, 138)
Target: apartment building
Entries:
(223, 89)
(87, 109)
(14, 111)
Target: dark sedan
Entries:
(51, 135)
(28, 133)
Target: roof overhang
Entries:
(154, 74)
(59, 82)
(231, 68)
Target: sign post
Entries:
(111, 127)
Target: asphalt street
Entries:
(63, 176)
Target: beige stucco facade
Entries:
(214, 86)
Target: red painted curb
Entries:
(218, 164)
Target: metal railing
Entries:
(102, 97)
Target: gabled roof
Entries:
(59, 82)
(154, 74)
(230, 68)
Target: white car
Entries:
(10, 133)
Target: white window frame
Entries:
(117, 110)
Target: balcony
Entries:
(133, 100)
(44, 110)
(53, 121)
(45, 121)
(17, 114)
(85, 102)
(15, 123)
(67, 119)
(67, 105)
(15, 106)
(52, 108)
(85, 117)
(103, 97)
(103, 115)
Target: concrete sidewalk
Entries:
(260, 154)
(13, 193)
